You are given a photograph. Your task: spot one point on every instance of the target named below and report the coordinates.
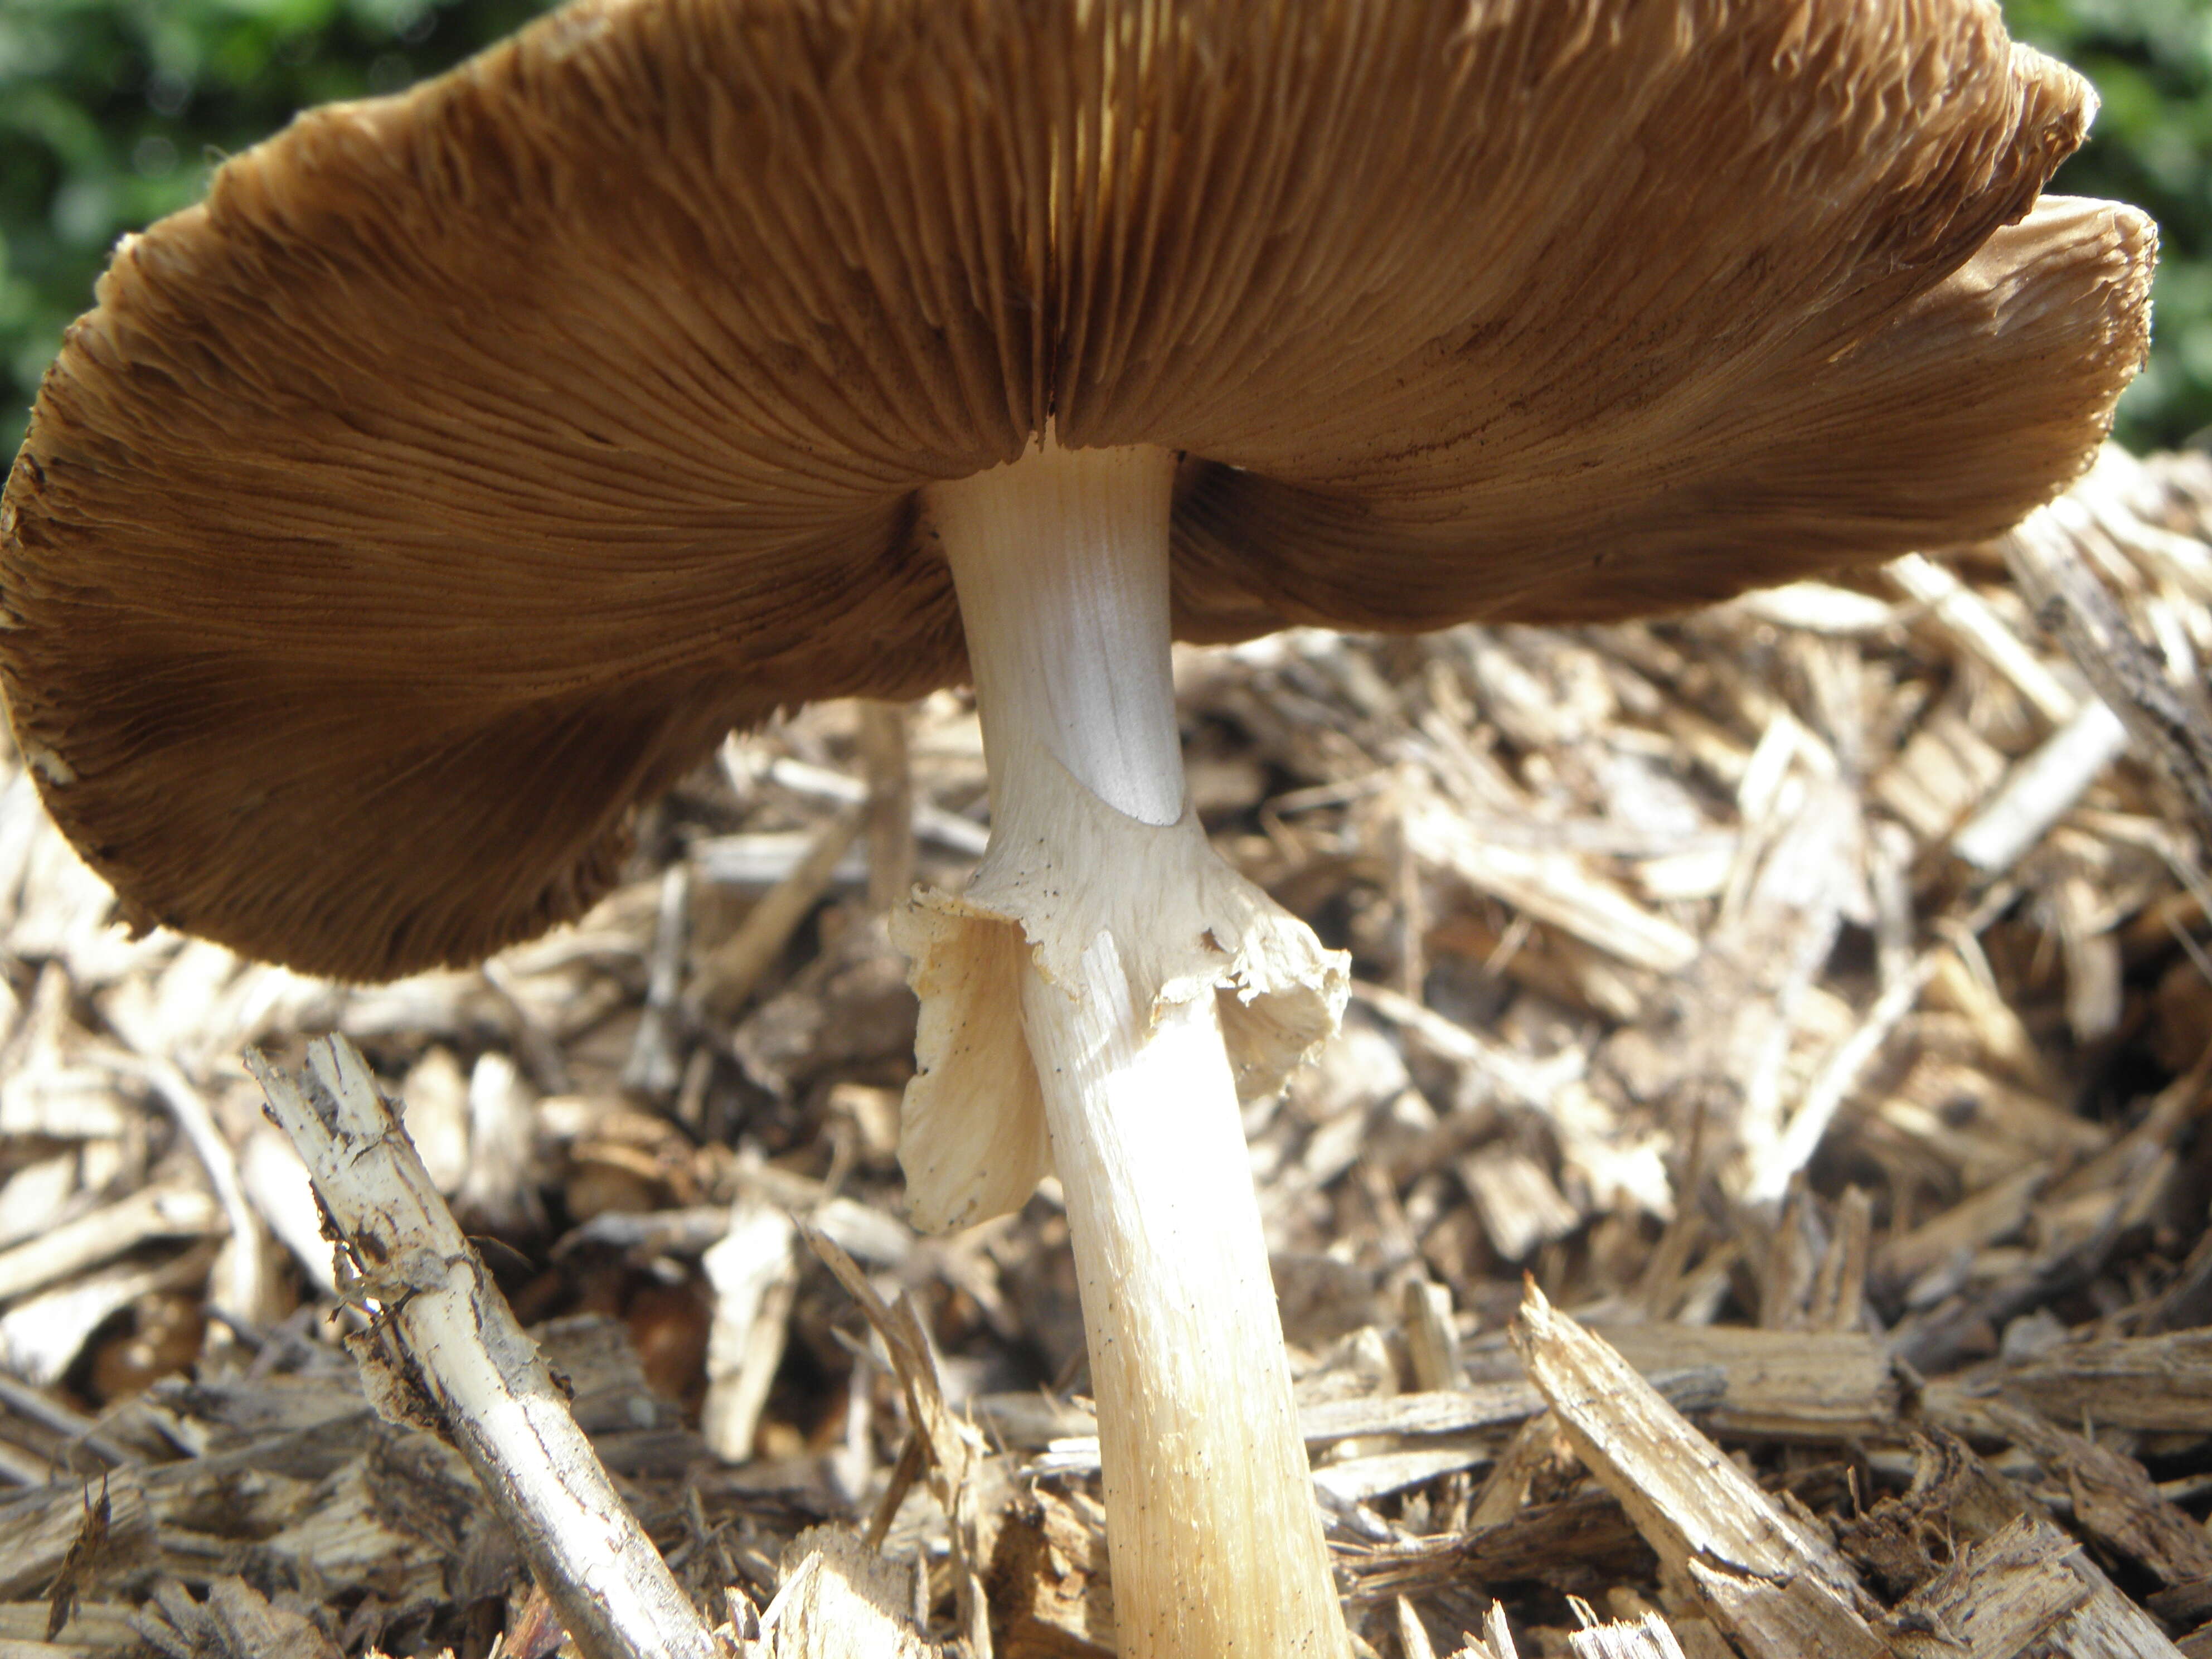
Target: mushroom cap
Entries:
(452, 476)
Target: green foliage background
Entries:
(112, 111)
(2151, 62)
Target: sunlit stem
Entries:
(1061, 563)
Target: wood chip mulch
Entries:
(1756, 1205)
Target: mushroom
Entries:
(452, 478)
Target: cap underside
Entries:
(452, 478)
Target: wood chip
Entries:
(1777, 1588)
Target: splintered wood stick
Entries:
(444, 1342)
(1780, 1591)
(1413, 1640)
(40, 1335)
(1553, 887)
(241, 1286)
(840, 1599)
(170, 1210)
(946, 1446)
(1431, 1338)
(1967, 617)
(1809, 1386)
(2045, 558)
(1774, 1164)
(1475, 1409)
(1499, 1636)
(755, 1274)
(1649, 1637)
(2027, 1588)
(933, 823)
(2041, 789)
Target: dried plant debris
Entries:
(1809, 998)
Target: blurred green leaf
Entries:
(110, 111)
(2151, 61)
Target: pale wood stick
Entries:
(2040, 789)
(444, 1345)
(737, 966)
(1967, 617)
(890, 802)
(655, 1065)
(1781, 1590)
(166, 1211)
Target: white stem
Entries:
(1210, 1513)
(1060, 561)
(1061, 564)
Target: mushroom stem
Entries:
(1061, 560)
